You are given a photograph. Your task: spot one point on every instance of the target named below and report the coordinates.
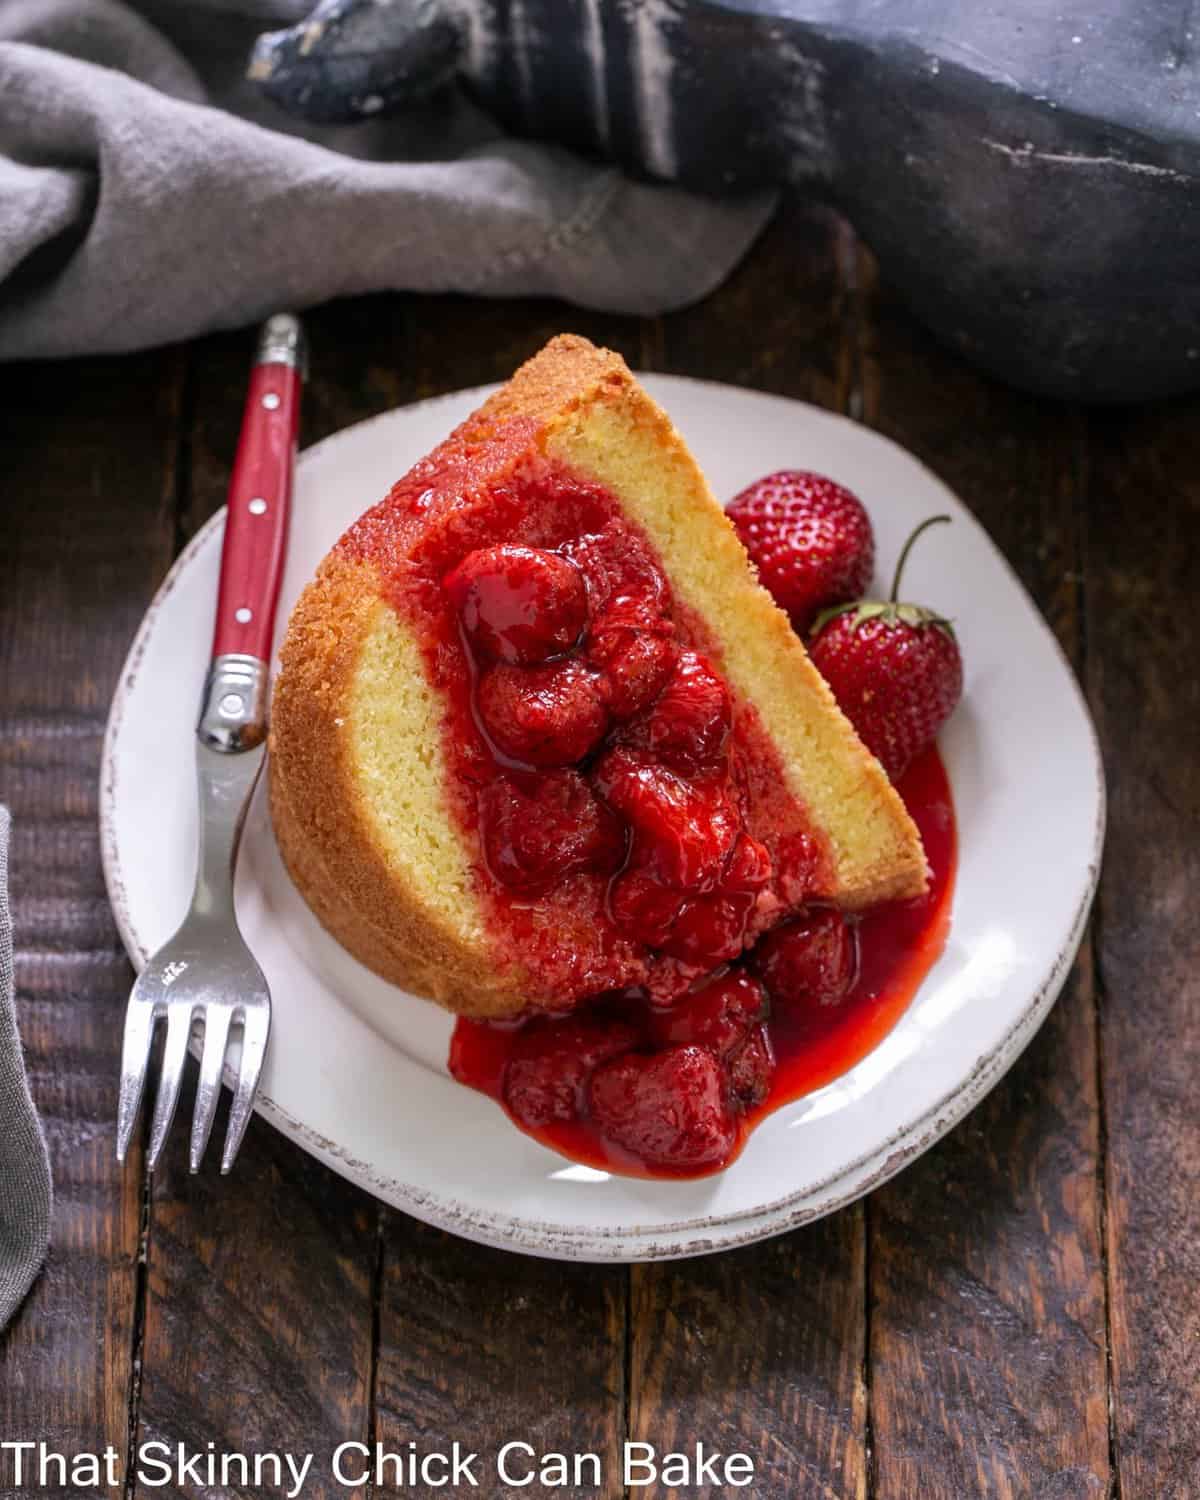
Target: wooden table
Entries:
(1018, 1314)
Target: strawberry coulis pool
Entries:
(898, 943)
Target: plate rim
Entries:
(688, 1237)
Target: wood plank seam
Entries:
(1094, 949)
(381, 1224)
(139, 1321)
(627, 1372)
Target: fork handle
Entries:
(260, 494)
(233, 710)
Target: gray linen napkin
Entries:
(148, 192)
(24, 1166)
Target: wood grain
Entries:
(759, 1351)
(1143, 645)
(763, 1351)
(88, 443)
(488, 1347)
(258, 1317)
(987, 1349)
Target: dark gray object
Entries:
(351, 59)
(25, 1191)
(1028, 174)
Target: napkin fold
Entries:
(24, 1164)
(148, 192)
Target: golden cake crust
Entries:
(362, 892)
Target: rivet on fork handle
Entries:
(233, 710)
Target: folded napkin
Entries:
(24, 1166)
(148, 192)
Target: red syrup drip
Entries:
(898, 945)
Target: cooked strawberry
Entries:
(634, 664)
(669, 978)
(810, 539)
(534, 831)
(719, 1015)
(710, 929)
(688, 726)
(895, 670)
(625, 586)
(544, 716)
(749, 866)
(551, 1063)
(797, 860)
(684, 831)
(519, 604)
(751, 1068)
(643, 908)
(811, 961)
(669, 1109)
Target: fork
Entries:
(205, 973)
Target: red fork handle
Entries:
(260, 495)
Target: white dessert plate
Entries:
(356, 1072)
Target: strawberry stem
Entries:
(906, 549)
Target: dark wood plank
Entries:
(258, 1320)
(86, 533)
(1143, 644)
(763, 1351)
(486, 1348)
(759, 1351)
(987, 1351)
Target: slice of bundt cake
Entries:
(538, 732)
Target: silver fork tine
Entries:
(212, 1060)
(179, 1027)
(256, 1023)
(135, 1055)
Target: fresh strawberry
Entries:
(552, 1061)
(808, 962)
(810, 539)
(519, 604)
(895, 669)
(544, 716)
(670, 1109)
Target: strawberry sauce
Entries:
(897, 945)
